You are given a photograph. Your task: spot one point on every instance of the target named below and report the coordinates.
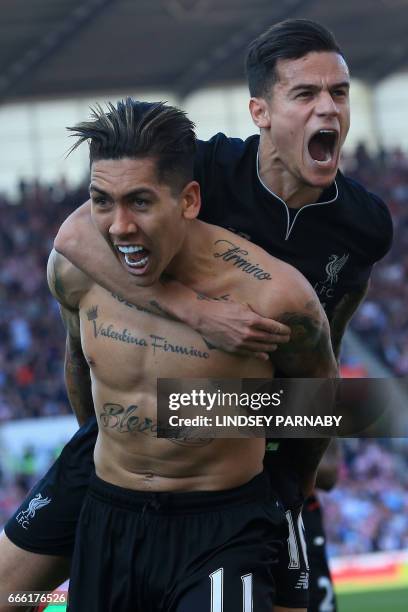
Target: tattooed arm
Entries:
(317, 361)
(76, 369)
(230, 326)
(77, 379)
(309, 354)
(328, 470)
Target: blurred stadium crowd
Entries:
(367, 511)
(382, 320)
(32, 338)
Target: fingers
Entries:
(260, 356)
(269, 325)
(262, 340)
(274, 328)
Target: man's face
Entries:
(140, 218)
(309, 116)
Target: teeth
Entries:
(327, 132)
(130, 249)
(136, 264)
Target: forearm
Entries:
(78, 384)
(80, 242)
(304, 456)
(168, 298)
(83, 246)
(328, 471)
(223, 323)
(342, 315)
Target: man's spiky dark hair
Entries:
(135, 129)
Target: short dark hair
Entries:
(137, 129)
(289, 39)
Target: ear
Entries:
(191, 200)
(259, 109)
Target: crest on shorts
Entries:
(35, 504)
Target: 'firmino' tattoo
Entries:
(231, 252)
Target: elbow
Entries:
(327, 477)
(330, 369)
(66, 240)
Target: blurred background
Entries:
(58, 57)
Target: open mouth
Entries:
(135, 256)
(322, 146)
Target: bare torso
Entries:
(127, 350)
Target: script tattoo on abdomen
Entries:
(125, 420)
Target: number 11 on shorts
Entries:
(217, 591)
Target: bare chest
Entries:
(126, 346)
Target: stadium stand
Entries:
(383, 318)
(31, 335)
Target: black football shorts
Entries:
(177, 552)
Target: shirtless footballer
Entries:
(170, 526)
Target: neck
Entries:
(275, 175)
(193, 260)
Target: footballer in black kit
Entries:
(334, 242)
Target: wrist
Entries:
(192, 313)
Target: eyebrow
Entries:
(345, 84)
(101, 191)
(133, 193)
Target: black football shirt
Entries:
(334, 242)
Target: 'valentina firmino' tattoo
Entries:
(157, 343)
(228, 251)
